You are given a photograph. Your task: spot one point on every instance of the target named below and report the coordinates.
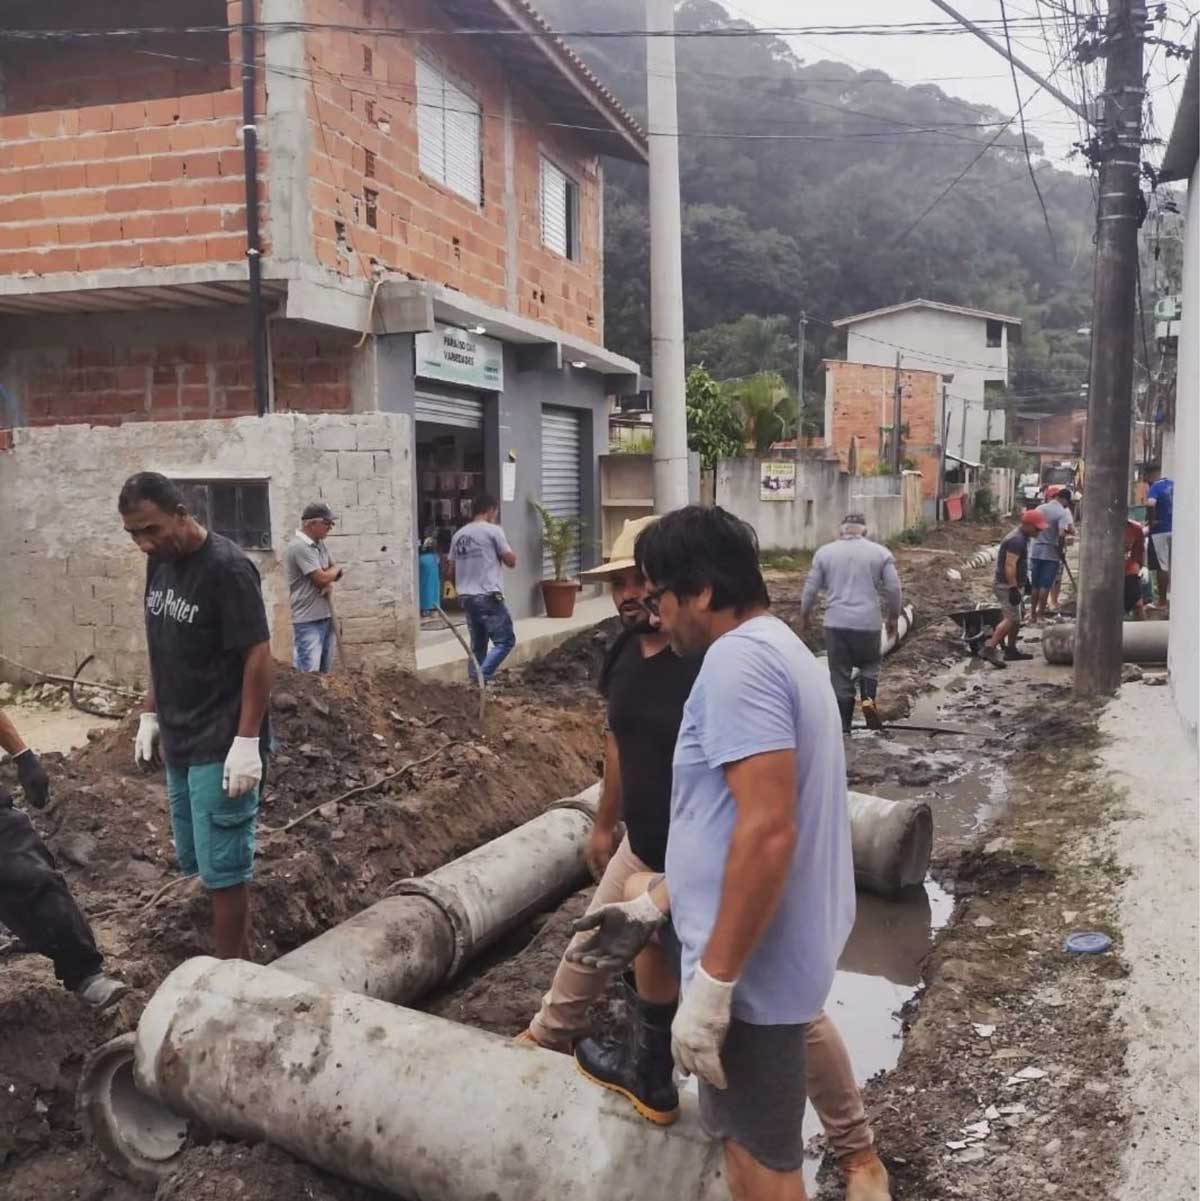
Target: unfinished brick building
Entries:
(429, 246)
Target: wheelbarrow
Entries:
(976, 625)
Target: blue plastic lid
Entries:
(1087, 942)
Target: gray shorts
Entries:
(1010, 611)
(762, 1109)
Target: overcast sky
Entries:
(943, 60)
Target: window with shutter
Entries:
(449, 124)
(560, 208)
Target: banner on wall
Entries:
(777, 481)
(458, 357)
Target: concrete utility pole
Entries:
(666, 264)
(1110, 390)
(896, 407)
(801, 341)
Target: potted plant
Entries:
(560, 536)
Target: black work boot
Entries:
(870, 712)
(846, 709)
(639, 1067)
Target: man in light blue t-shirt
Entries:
(478, 554)
(759, 878)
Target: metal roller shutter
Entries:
(463, 412)
(561, 442)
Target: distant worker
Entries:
(1070, 502)
(210, 685)
(1160, 508)
(852, 572)
(35, 903)
(1135, 560)
(478, 552)
(311, 575)
(1048, 552)
(1012, 572)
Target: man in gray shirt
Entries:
(851, 572)
(311, 575)
(1048, 549)
(478, 553)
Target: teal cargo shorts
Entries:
(214, 833)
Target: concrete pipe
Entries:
(406, 945)
(399, 1100)
(1141, 642)
(888, 643)
(983, 556)
(891, 842)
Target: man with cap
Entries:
(852, 571)
(1012, 564)
(1049, 549)
(311, 575)
(646, 685)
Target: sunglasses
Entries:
(652, 598)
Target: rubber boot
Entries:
(846, 709)
(870, 712)
(866, 1177)
(639, 1067)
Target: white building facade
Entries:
(970, 344)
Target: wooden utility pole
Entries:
(1110, 390)
(896, 407)
(801, 341)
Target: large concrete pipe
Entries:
(891, 842)
(399, 1100)
(983, 556)
(405, 945)
(1141, 642)
(889, 642)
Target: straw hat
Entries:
(622, 551)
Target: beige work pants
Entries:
(562, 1020)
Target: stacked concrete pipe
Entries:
(983, 556)
(1141, 642)
(133, 1089)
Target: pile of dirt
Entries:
(568, 674)
(383, 776)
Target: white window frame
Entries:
(449, 133)
(550, 172)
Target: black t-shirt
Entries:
(203, 612)
(1015, 544)
(645, 708)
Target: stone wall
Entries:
(73, 581)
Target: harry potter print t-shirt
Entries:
(203, 612)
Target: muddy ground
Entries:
(541, 740)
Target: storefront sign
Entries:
(777, 481)
(451, 354)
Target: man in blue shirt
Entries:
(759, 879)
(1160, 507)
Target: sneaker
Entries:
(101, 991)
(1012, 654)
(866, 1177)
(992, 655)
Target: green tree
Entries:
(714, 429)
(740, 348)
(765, 406)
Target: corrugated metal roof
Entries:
(546, 65)
(927, 304)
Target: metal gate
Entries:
(461, 411)
(561, 443)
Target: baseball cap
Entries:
(1035, 518)
(854, 519)
(318, 510)
(622, 550)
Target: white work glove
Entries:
(622, 929)
(243, 767)
(700, 1026)
(145, 744)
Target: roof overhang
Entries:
(983, 314)
(546, 65)
(1183, 147)
(962, 462)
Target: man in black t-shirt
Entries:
(646, 685)
(210, 682)
(1012, 574)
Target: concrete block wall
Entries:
(822, 500)
(361, 137)
(74, 581)
(107, 166)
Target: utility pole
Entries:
(1110, 391)
(962, 430)
(666, 262)
(896, 405)
(801, 341)
(944, 430)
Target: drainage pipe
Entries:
(399, 1100)
(983, 556)
(891, 842)
(888, 642)
(1141, 642)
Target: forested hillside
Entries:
(804, 187)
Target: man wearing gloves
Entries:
(35, 903)
(210, 683)
(852, 572)
(759, 879)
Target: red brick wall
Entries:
(179, 381)
(422, 228)
(1062, 431)
(863, 401)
